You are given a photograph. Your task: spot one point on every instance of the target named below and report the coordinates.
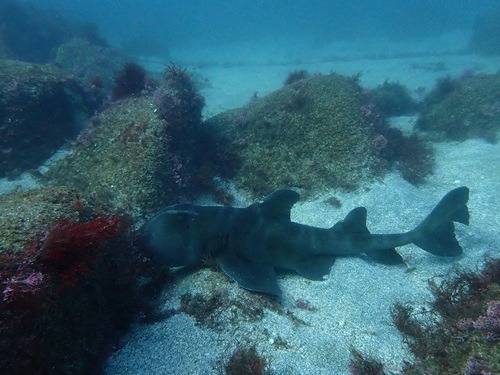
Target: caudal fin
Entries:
(436, 234)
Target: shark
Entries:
(252, 244)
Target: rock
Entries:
(39, 109)
(311, 134)
(463, 108)
(90, 63)
(27, 216)
(121, 158)
(33, 34)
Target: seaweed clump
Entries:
(462, 108)
(463, 332)
(362, 365)
(196, 156)
(412, 155)
(296, 76)
(246, 361)
(393, 99)
(130, 81)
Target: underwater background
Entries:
(112, 110)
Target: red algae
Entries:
(69, 248)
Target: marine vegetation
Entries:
(462, 108)
(462, 333)
(412, 155)
(295, 76)
(362, 365)
(393, 99)
(40, 107)
(130, 81)
(246, 361)
(198, 157)
(249, 244)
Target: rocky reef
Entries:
(463, 108)
(142, 152)
(40, 107)
(311, 134)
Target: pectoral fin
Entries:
(257, 277)
(316, 267)
(389, 257)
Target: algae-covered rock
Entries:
(121, 158)
(458, 109)
(311, 134)
(67, 286)
(25, 216)
(39, 109)
(89, 62)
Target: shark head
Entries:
(169, 237)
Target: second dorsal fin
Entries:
(278, 204)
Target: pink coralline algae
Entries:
(489, 324)
(16, 286)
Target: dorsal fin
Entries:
(355, 221)
(278, 204)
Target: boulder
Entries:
(463, 108)
(313, 134)
(121, 158)
(92, 64)
(40, 108)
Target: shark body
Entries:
(250, 244)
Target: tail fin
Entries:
(436, 234)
